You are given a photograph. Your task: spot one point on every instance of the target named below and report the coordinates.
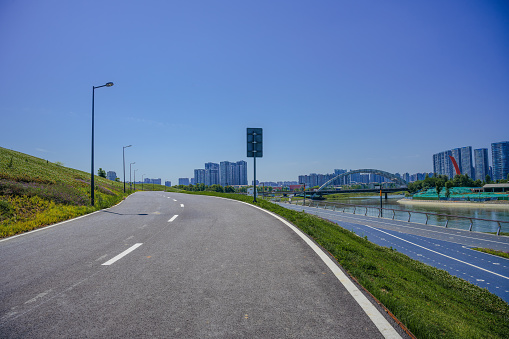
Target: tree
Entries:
(216, 188)
(101, 173)
(439, 184)
(487, 179)
(413, 187)
(463, 180)
(448, 186)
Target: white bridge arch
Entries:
(384, 174)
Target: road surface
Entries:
(184, 266)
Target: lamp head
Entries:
(109, 84)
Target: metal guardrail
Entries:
(452, 221)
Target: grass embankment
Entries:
(430, 302)
(35, 193)
(493, 252)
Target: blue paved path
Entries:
(446, 249)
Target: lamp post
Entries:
(123, 157)
(92, 184)
(304, 203)
(135, 179)
(130, 182)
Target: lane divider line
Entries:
(173, 218)
(181, 205)
(123, 254)
(461, 261)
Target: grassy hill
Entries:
(35, 192)
(429, 301)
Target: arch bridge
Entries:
(384, 174)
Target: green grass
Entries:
(494, 252)
(430, 302)
(35, 192)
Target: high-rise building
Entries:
(500, 159)
(406, 177)
(242, 172)
(111, 175)
(442, 164)
(199, 176)
(482, 167)
(167, 183)
(184, 181)
(466, 161)
(211, 174)
(226, 173)
(340, 181)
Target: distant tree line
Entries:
(442, 181)
(203, 187)
(222, 189)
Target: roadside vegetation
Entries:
(35, 192)
(430, 302)
(493, 252)
(442, 182)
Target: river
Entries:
(491, 213)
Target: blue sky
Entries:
(334, 84)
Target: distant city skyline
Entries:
(465, 160)
(333, 84)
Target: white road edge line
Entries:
(173, 218)
(461, 261)
(126, 252)
(376, 317)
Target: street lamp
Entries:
(92, 185)
(130, 182)
(123, 157)
(381, 210)
(304, 202)
(135, 179)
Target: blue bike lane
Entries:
(481, 269)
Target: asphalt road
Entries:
(179, 266)
(444, 248)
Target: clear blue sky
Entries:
(334, 84)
